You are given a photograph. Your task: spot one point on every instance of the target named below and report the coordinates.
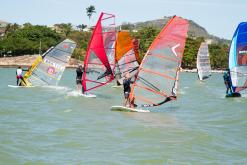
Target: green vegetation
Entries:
(21, 40)
(26, 40)
(218, 52)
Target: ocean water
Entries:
(53, 125)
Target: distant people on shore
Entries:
(227, 81)
(79, 73)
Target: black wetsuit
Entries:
(227, 81)
(126, 87)
(79, 74)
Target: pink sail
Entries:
(99, 61)
(157, 79)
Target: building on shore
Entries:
(3, 25)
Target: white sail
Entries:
(203, 62)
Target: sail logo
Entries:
(54, 64)
(173, 49)
(65, 46)
(51, 70)
(242, 52)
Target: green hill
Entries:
(195, 30)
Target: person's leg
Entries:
(23, 81)
(125, 99)
(17, 81)
(128, 100)
(132, 103)
(78, 85)
(227, 88)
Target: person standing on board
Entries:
(127, 89)
(19, 75)
(79, 73)
(227, 81)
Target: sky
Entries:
(218, 17)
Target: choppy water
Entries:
(54, 126)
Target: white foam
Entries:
(74, 93)
(57, 88)
(68, 110)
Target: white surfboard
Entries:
(16, 86)
(87, 95)
(126, 109)
(117, 86)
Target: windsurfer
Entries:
(19, 75)
(79, 73)
(127, 89)
(227, 81)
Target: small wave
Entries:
(57, 87)
(74, 93)
(68, 110)
(181, 92)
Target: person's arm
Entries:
(131, 81)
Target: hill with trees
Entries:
(25, 39)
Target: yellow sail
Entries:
(29, 72)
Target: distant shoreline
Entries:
(195, 71)
(27, 60)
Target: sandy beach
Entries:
(27, 60)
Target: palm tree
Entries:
(90, 10)
(81, 27)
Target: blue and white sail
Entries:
(238, 58)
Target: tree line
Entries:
(26, 39)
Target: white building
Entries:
(3, 26)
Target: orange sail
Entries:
(126, 55)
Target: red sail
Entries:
(98, 65)
(157, 79)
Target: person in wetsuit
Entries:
(227, 81)
(127, 89)
(79, 73)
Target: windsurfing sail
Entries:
(238, 58)
(48, 68)
(157, 79)
(99, 62)
(203, 62)
(126, 56)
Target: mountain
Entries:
(195, 30)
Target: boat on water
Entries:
(157, 78)
(238, 60)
